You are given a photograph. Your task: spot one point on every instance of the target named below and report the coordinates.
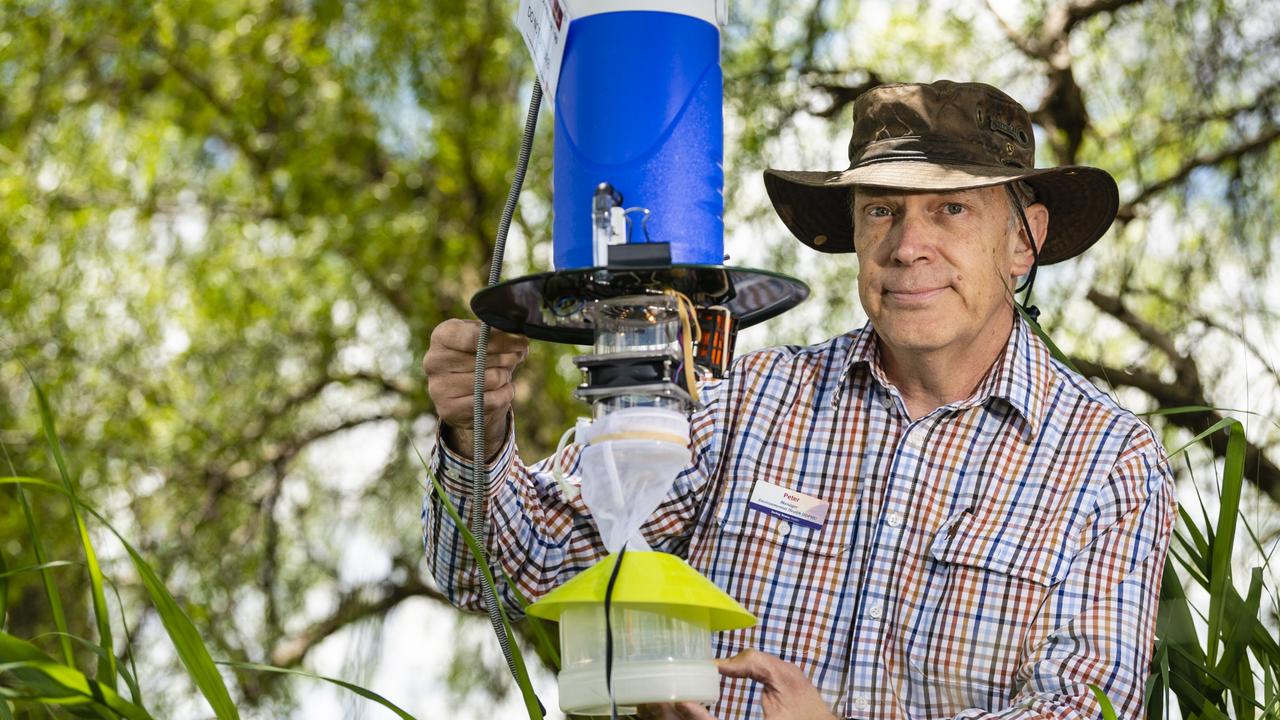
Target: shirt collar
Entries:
(1020, 376)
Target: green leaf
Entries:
(531, 702)
(1223, 423)
(191, 649)
(1054, 350)
(46, 577)
(1108, 711)
(186, 640)
(34, 568)
(1224, 537)
(51, 682)
(362, 692)
(107, 659)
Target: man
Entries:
(997, 526)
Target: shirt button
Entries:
(893, 519)
(887, 402)
(875, 611)
(783, 528)
(860, 702)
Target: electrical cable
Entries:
(1032, 311)
(608, 633)
(690, 333)
(478, 517)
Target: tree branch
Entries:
(1266, 475)
(1020, 41)
(1185, 368)
(353, 606)
(1128, 211)
(1078, 12)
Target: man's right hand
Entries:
(450, 367)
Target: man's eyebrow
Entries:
(880, 192)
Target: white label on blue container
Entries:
(544, 25)
(794, 507)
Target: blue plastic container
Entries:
(639, 105)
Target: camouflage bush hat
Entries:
(943, 136)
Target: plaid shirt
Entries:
(990, 559)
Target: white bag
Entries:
(630, 463)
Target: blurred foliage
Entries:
(227, 229)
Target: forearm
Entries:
(527, 530)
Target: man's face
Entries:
(936, 269)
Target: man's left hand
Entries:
(788, 694)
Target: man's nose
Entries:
(912, 238)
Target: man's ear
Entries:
(1038, 219)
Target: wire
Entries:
(478, 517)
(688, 326)
(1032, 311)
(608, 633)
(568, 489)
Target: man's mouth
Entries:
(913, 296)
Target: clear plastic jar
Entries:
(636, 322)
(657, 657)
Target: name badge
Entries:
(792, 506)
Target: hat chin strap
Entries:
(1031, 310)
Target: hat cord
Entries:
(1031, 310)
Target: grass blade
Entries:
(1108, 710)
(4, 598)
(53, 682)
(1223, 423)
(191, 649)
(46, 577)
(107, 659)
(1054, 350)
(186, 640)
(1224, 537)
(5, 574)
(532, 704)
(362, 692)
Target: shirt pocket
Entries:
(748, 528)
(986, 577)
(791, 577)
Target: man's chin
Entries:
(915, 335)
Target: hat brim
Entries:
(815, 206)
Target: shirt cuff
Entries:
(454, 471)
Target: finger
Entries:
(496, 400)
(440, 360)
(442, 355)
(463, 335)
(753, 664)
(456, 334)
(694, 711)
(658, 711)
(456, 384)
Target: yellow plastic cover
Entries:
(657, 580)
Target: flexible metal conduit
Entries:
(478, 517)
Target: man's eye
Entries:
(953, 208)
(878, 211)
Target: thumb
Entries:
(751, 664)
(694, 711)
